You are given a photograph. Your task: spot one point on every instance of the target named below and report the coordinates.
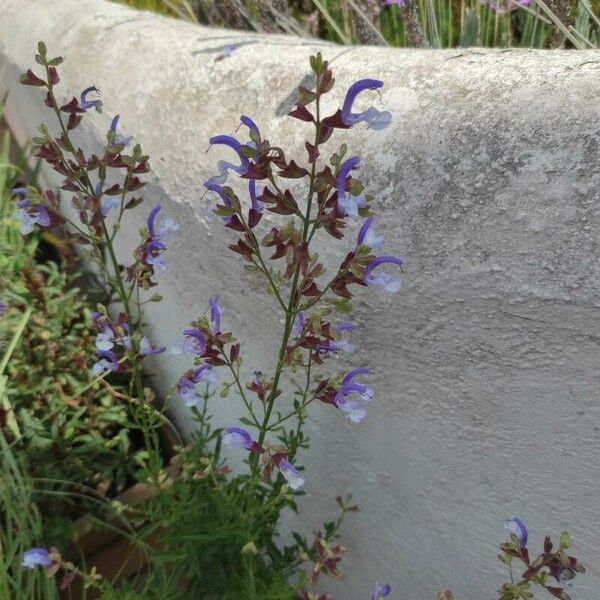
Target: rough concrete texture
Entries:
(487, 361)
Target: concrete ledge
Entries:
(487, 181)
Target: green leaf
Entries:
(565, 540)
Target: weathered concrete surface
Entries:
(487, 362)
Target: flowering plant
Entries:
(104, 188)
(226, 546)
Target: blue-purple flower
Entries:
(516, 526)
(154, 247)
(119, 139)
(29, 215)
(214, 184)
(374, 118)
(194, 342)
(108, 361)
(299, 323)
(351, 396)
(236, 437)
(85, 103)
(381, 590)
(223, 166)
(401, 3)
(36, 557)
(347, 204)
(2, 307)
(367, 236)
(146, 348)
(294, 478)
(110, 334)
(343, 344)
(253, 129)
(187, 385)
(390, 283)
(215, 315)
(218, 189)
(108, 204)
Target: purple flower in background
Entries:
(299, 323)
(85, 103)
(119, 139)
(108, 335)
(516, 526)
(36, 557)
(215, 315)
(2, 307)
(105, 338)
(194, 343)
(29, 215)
(381, 590)
(348, 204)
(504, 6)
(236, 437)
(388, 282)
(224, 166)
(107, 362)
(374, 118)
(146, 348)
(108, 204)
(368, 236)
(186, 387)
(293, 477)
(401, 3)
(351, 396)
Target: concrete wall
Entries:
(487, 362)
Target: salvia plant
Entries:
(218, 525)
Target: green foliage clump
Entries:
(68, 430)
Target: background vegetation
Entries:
(418, 23)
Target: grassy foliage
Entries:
(64, 440)
(425, 23)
